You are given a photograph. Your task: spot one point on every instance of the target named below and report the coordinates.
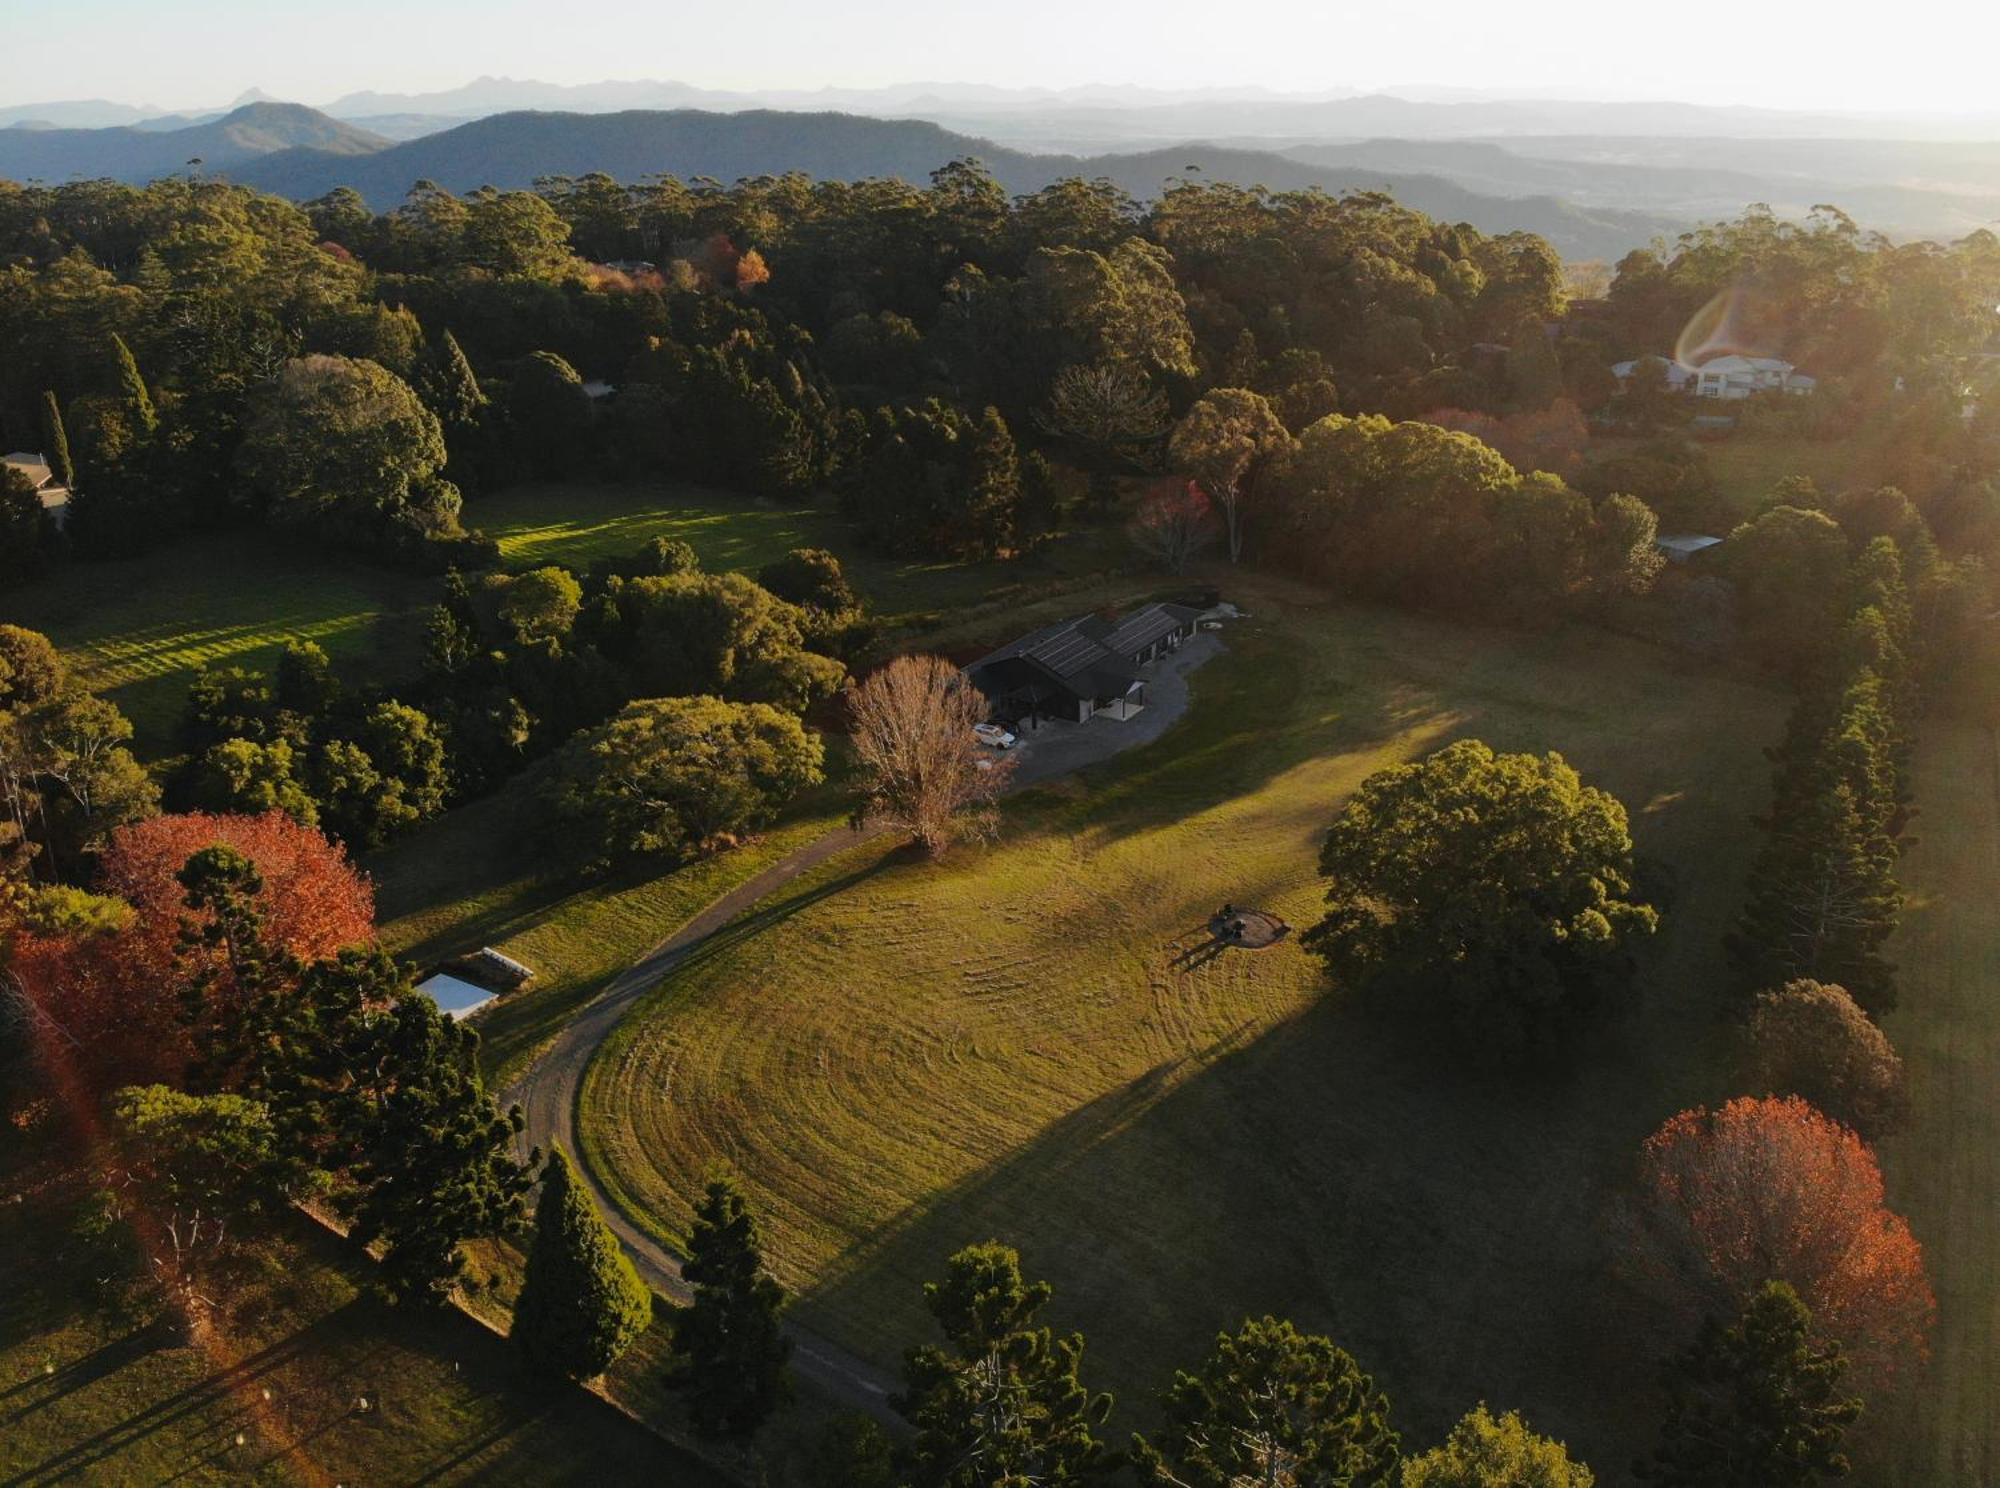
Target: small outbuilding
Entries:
(1679, 547)
(455, 997)
(492, 966)
(52, 493)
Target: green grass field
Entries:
(471, 879)
(573, 524)
(901, 1058)
(139, 629)
(1746, 465)
(1943, 1172)
(88, 1396)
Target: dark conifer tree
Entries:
(1272, 1404)
(1002, 1402)
(581, 1303)
(732, 1350)
(130, 389)
(1754, 1404)
(431, 1156)
(56, 440)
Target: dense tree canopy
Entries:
(1755, 1403)
(1489, 893)
(1489, 1451)
(1811, 1040)
(347, 448)
(677, 777)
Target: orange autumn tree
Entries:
(1770, 1189)
(115, 999)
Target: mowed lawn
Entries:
(479, 877)
(576, 524)
(1944, 1173)
(138, 629)
(901, 1058)
(88, 1396)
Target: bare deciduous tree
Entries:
(1172, 523)
(925, 771)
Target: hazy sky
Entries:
(1930, 55)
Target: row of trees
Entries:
(1409, 512)
(1489, 896)
(1824, 897)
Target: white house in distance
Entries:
(53, 493)
(1726, 376)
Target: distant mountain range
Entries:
(300, 153)
(1930, 188)
(129, 152)
(512, 150)
(1593, 192)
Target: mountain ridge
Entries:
(133, 152)
(513, 150)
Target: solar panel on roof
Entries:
(1142, 629)
(1066, 653)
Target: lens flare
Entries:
(1737, 322)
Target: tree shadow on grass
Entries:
(1446, 1231)
(206, 1395)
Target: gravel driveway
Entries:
(1057, 748)
(547, 1091)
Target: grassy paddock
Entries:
(575, 524)
(472, 878)
(1942, 1172)
(88, 1395)
(1747, 464)
(901, 1058)
(138, 629)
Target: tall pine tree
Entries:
(729, 1341)
(130, 388)
(55, 440)
(1271, 1405)
(452, 392)
(1002, 1403)
(432, 1160)
(1754, 1404)
(581, 1303)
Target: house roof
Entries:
(1091, 654)
(1686, 542)
(34, 467)
(1143, 628)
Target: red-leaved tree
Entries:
(1173, 522)
(1770, 1189)
(114, 1000)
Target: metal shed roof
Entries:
(454, 996)
(1141, 628)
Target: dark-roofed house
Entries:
(1076, 668)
